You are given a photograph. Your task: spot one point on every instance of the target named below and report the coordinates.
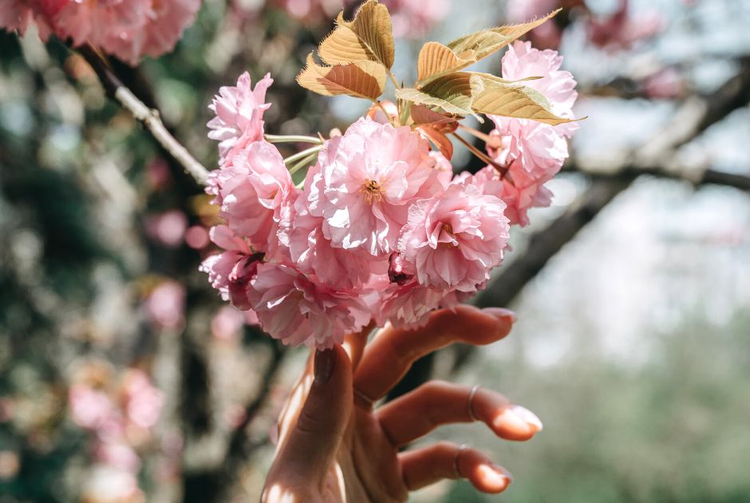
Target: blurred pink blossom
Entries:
(90, 408)
(197, 237)
(227, 323)
(143, 401)
(667, 83)
(622, 29)
(128, 30)
(167, 228)
(165, 305)
(118, 455)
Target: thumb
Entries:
(311, 447)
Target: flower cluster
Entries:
(127, 29)
(378, 230)
(530, 151)
(373, 234)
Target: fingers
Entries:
(355, 344)
(446, 460)
(435, 403)
(309, 450)
(388, 357)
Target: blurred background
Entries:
(124, 378)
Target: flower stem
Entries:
(301, 155)
(310, 155)
(475, 132)
(481, 155)
(292, 139)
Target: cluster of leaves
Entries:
(358, 55)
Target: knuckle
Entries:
(306, 422)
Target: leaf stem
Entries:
(393, 79)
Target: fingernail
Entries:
(495, 476)
(324, 363)
(527, 416)
(502, 312)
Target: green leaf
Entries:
(494, 97)
(451, 94)
(437, 60)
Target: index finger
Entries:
(387, 359)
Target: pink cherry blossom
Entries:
(409, 305)
(558, 86)
(367, 181)
(455, 239)
(15, 15)
(532, 152)
(230, 272)
(166, 22)
(313, 254)
(125, 29)
(252, 192)
(311, 251)
(239, 114)
(521, 194)
(292, 308)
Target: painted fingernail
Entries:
(502, 312)
(527, 416)
(495, 476)
(325, 360)
(502, 472)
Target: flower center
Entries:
(447, 231)
(372, 190)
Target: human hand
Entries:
(338, 448)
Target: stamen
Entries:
(372, 190)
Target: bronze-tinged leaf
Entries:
(486, 42)
(451, 94)
(423, 116)
(368, 37)
(511, 100)
(438, 138)
(436, 59)
(361, 79)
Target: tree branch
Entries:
(148, 117)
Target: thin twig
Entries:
(148, 117)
